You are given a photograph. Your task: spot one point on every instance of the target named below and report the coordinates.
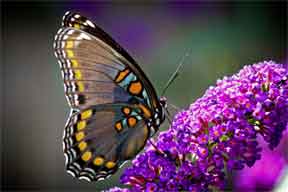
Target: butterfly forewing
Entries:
(111, 98)
(85, 54)
(87, 69)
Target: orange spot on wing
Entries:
(82, 145)
(132, 121)
(118, 126)
(70, 53)
(86, 114)
(126, 110)
(86, 156)
(78, 74)
(110, 164)
(121, 75)
(79, 136)
(69, 44)
(81, 125)
(98, 161)
(81, 87)
(135, 88)
(145, 110)
(74, 63)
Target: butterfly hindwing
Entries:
(99, 139)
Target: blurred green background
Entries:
(221, 39)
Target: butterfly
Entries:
(114, 107)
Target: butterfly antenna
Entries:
(176, 73)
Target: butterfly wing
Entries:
(111, 98)
(99, 139)
(96, 69)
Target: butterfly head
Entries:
(163, 102)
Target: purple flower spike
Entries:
(216, 134)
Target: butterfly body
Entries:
(114, 107)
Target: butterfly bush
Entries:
(216, 134)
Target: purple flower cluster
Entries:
(216, 134)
